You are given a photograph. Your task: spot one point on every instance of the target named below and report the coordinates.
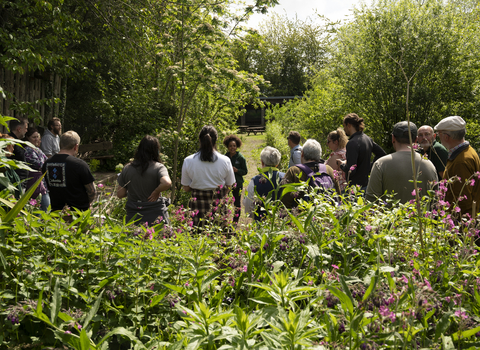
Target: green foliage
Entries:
(274, 134)
(363, 280)
(433, 43)
(286, 52)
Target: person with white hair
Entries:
(312, 163)
(462, 162)
(264, 183)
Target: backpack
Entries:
(320, 179)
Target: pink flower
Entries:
(457, 209)
(368, 228)
(100, 186)
(68, 332)
(33, 202)
(335, 267)
(461, 314)
(413, 193)
(245, 268)
(415, 254)
(472, 182)
(353, 167)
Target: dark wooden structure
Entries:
(37, 88)
(256, 116)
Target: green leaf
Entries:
(344, 299)
(56, 302)
(93, 311)
(157, 298)
(84, 340)
(442, 325)
(122, 331)
(107, 281)
(466, 334)
(296, 222)
(371, 287)
(12, 214)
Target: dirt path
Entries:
(251, 148)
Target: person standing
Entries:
(208, 175)
(51, 138)
(69, 179)
(393, 173)
(359, 148)
(35, 159)
(142, 181)
(337, 141)
(18, 128)
(239, 164)
(434, 150)
(462, 162)
(295, 148)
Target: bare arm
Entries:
(165, 184)
(91, 191)
(332, 161)
(121, 192)
(187, 188)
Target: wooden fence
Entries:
(33, 88)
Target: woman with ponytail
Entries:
(207, 174)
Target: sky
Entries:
(332, 9)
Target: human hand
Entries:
(341, 162)
(154, 196)
(235, 169)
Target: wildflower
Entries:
(368, 228)
(68, 332)
(404, 279)
(457, 210)
(245, 268)
(33, 202)
(415, 254)
(335, 267)
(461, 314)
(100, 186)
(186, 284)
(472, 182)
(184, 312)
(353, 167)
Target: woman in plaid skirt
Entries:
(208, 175)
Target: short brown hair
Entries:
(355, 120)
(69, 139)
(230, 138)
(294, 136)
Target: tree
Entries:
(285, 52)
(433, 43)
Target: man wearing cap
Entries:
(432, 149)
(463, 162)
(295, 148)
(393, 173)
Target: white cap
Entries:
(451, 124)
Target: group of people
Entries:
(68, 180)
(209, 175)
(350, 163)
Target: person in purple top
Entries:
(35, 158)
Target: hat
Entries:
(400, 130)
(451, 124)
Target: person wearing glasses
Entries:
(463, 162)
(337, 142)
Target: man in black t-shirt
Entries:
(69, 179)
